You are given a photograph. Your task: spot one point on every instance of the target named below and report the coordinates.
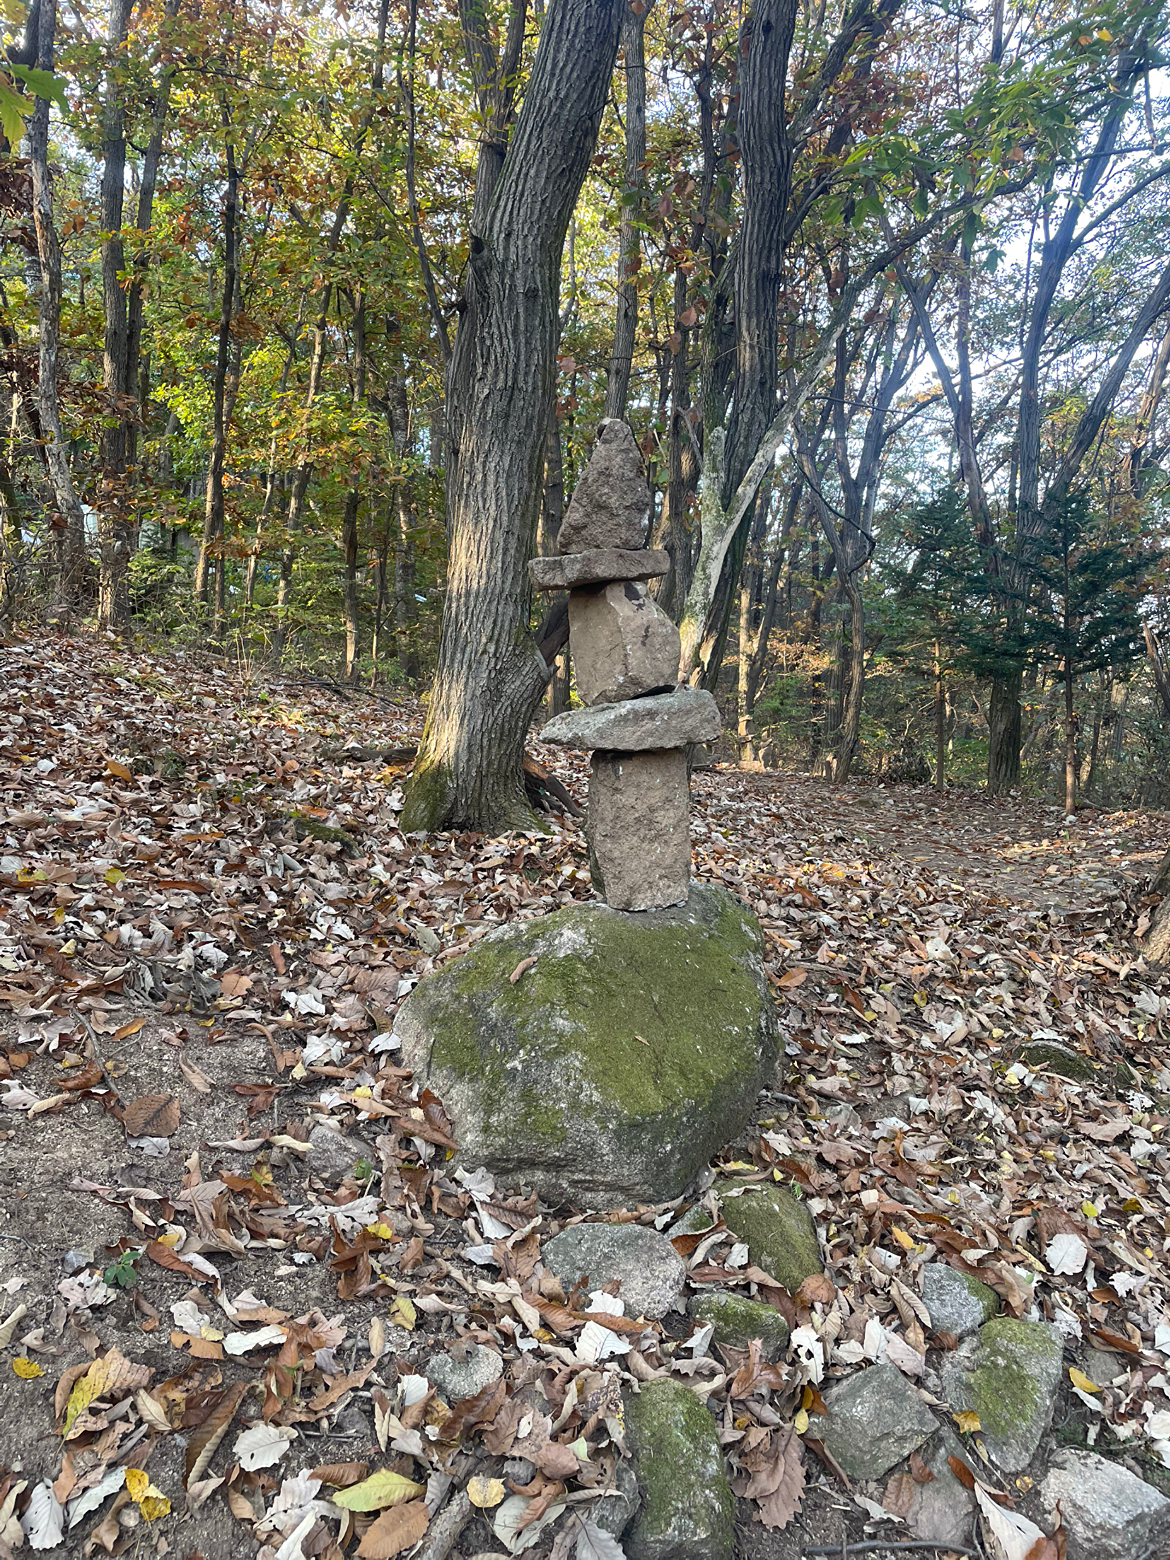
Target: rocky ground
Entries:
(252, 1301)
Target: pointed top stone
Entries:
(611, 502)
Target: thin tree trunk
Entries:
(213, 512)
(68, 524)
(469, 768)
(353, 499)
(1070, 738)
(114, 547)
(629, 245)
(940, 720)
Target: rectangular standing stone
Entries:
(624, 645)
(639, 839)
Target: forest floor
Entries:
(207, 920)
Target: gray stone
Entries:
(614, 1513)
(638, 828)
(942, 1510)
(597, 567)
(465, 1369)
(663, 720)
(1008, 1374)
(778, 1228)
(688, 1510)
(1053, 1056)
(519, 1470)
(1102, 1367)
(646, 1265)
(76, 1260)
(331, 1156)
(614, 1067)
(1108, 1513)
(957, 1302)
(611, 502)
(738, 1320)
(623, 644)
(693, 1222)
(875, 1419)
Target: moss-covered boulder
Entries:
(777, 1228)
(615, 1064)
(737, 1321)
(957, 1302)
(688, 1510)
(1008, 1374)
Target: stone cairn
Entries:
(637, 723)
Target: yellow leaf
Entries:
(485, 1493)
(800, 1421)
(1105, 35)
(84, 1392)
(114, 875)
(27, 1370)
(118, 769)
(1079, 1379)
(1089, 1210)
(403, 1314)
(382, 1231)
(149, 1500)
(380, 1490)
(968, 1421)
(907, 1242)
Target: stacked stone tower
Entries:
(636, 723)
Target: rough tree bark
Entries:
(68, 523)
(1157, 948)
(489, 676)
(113, 545)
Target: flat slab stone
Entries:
(611, 502)
(649, 1270)
(957, 1303)
(875, 1420)
(617, 1063)
(1008, 1374)
(1108, 1512)
(638, 828)
(598, 566)
(688, 1510)
(662, 720)
(941, 1511)
(624, 645)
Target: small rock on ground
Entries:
(738, 1320)
(331, 1156)
(957, 1303)
(650, 1271)
(778, 1228)
(688, 1510)
(876, 1418)
(463, 1371)
(1008, 1374)
(1108, 1512)
(941, 1511)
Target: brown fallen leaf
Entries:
(340, 1475)
(114, 768)
(162, 1256)
(521, 969)
(204, 1442)
(151, 1115)
(195, 1076)
(396, 1530)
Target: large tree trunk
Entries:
(1004, 722)
(114, 547)
(489, 677)
(68, 523)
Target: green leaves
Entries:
(14, 107)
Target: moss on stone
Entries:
(738, 1320)
(1060, 1059)
(324, 833)
(688, 1509)
(778, 1229)
(644, 1035)
(1011, 1384)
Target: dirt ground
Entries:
(149, 808)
